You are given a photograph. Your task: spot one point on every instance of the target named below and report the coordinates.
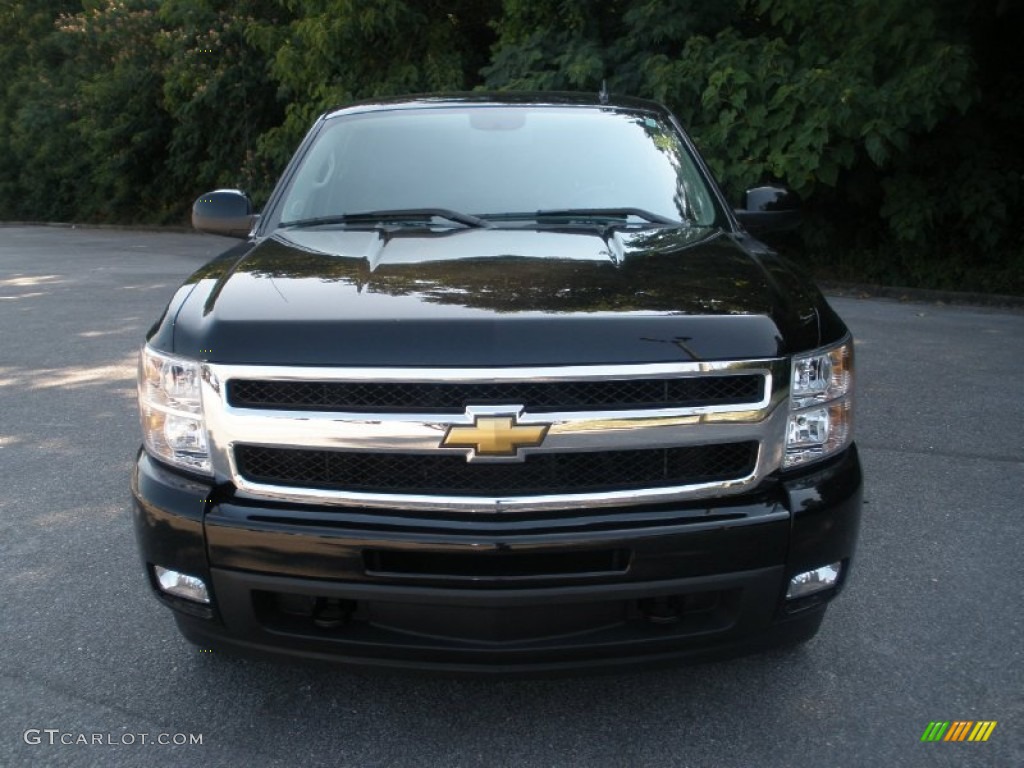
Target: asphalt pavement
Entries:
(929, 628)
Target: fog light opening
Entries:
(181, 585)
(813, 582)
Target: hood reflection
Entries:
(685, 271)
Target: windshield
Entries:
(499, 164)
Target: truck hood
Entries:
(491, 297)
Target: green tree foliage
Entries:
(35, 109)
(116, 119)
(218, 92)
(850, 103)
(82, 123)
(335, 52)
(898, 121)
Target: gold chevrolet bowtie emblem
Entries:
(495, 436)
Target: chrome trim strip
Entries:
(543, 373)
(583, 431)
(487, 504)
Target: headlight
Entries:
(171, 410)
(821, 393)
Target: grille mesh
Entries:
(452, 475)
(537, 396)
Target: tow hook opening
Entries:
(670, 609)
(332, 612)
(661, 610)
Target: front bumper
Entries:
(500, 593)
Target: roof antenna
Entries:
(603, 94)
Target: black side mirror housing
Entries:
(769, 209)
(225, 212)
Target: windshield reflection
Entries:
(488, 161)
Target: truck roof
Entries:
(501, 98)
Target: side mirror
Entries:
(225, 212)
(769, 209)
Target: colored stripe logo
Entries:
(958, 730)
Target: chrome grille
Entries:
(614, 435)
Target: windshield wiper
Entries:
(400, 214)
(606, 213)
(603, 216)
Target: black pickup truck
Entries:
(497, 382)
